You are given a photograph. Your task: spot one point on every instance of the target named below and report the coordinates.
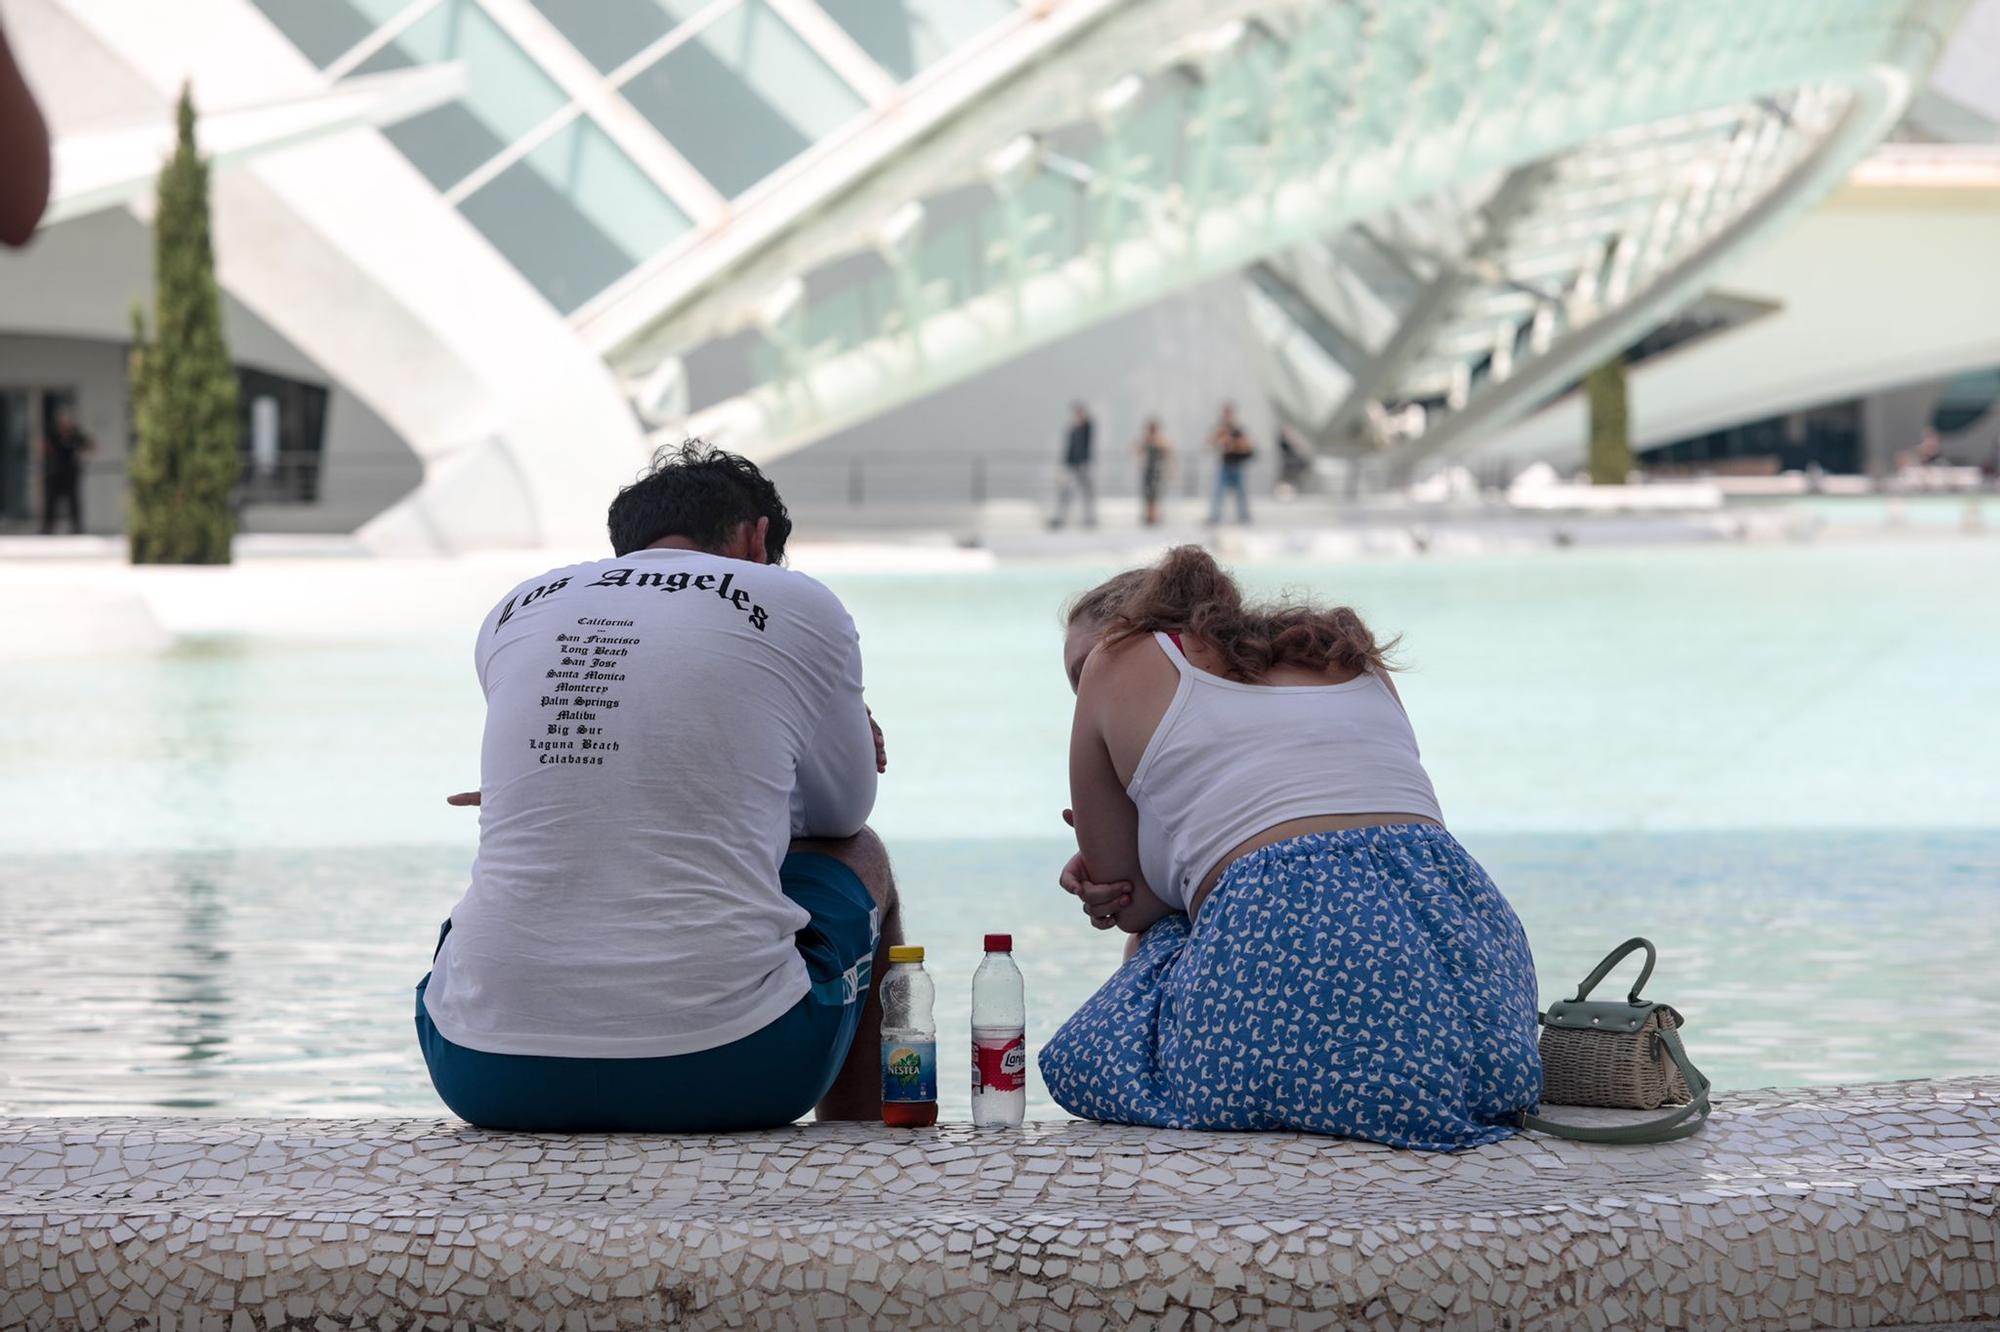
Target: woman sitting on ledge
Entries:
(1318, 953)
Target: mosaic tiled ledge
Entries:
(1865, 1206)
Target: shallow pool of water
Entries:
(221, 870)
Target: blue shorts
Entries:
(766, 1079)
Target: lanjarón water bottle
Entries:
(999, 1038)
(909, 1041)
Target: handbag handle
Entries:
(1617, 955)
(1679, 1123)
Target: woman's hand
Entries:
(1142, 910)
(1101, 901)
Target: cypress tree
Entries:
(1610, 426)
(188, 456)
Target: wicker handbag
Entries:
(1625, 1054)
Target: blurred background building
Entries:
(479, 256)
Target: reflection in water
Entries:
(195, 985)
(252, 982)
(279, 983)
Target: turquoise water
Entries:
(222, 869)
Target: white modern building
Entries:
(480, 256)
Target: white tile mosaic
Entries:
(1798, 1209)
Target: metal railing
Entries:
(298, 478)
(885, 476)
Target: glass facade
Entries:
(906, 37)
(611, 32)
(574, 215)
(1967, 399)
(733, 87)
(508, 94)
(743, 98)
(327, 29)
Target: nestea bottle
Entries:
(909, 1041)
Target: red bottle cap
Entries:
(999, 943)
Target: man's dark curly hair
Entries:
(701, 493)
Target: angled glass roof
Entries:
(742, 97)
(594, 133)
(906, 37)
(508, 94)
(611, 32)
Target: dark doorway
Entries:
(16, 442)
(27, 417)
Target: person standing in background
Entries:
(1233, 452)
(63, 452)
(1294, 464)
(1076, 468)
(1156, 459)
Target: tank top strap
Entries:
(1381, 679)
(1171, 645)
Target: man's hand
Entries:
(881, 748)
(463, 798)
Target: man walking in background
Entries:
(1076, 468)
(63, 451)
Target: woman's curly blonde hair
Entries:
(1188, 592)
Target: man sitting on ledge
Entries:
(675, 913)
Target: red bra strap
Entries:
(1176, 639)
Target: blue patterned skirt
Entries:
(1368, 983)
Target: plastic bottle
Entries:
(999, 1038)
(909, 1041)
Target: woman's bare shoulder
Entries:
(1127, 660)
(1129, 680)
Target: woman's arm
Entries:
(1107, 822)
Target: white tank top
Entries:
(1229, 760)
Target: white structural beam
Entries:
(1915, 300)
(113, 167)
(841, 52)
(357, 55)
(1877, 104)
(805, 219)
(1602, 92)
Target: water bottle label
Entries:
(909, 1070)
(999, 1065)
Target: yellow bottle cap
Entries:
(906, 953)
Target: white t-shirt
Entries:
(659, 726)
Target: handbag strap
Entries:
(1678, 1123)
(1617, 955)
